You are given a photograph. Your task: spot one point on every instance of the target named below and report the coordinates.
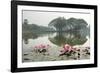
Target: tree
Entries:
(58, 23)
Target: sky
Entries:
(43, 18)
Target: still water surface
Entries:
(53, 42)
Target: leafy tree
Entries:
(58, 23)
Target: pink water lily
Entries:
(67, 49)
(35, 46)
(41, 47)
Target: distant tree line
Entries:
(26, 27)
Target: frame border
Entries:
(14, 5)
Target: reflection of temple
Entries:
(25, 40)
(27, 36)
(31, 35)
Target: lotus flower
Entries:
(41, 48)
(67, 49)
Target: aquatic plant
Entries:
(67, 50)
(41, 48)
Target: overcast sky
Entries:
(43, 18)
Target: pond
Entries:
(55, 46)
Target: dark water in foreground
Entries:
(47, 46)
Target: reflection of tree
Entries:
(27, 36)
(33, 35)
(62, 39)
(75, 31)
(59, 39)
(72, 37)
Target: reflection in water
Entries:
(71, 38)
(27, 36)
(32, 43)
(59, 38)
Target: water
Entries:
(52, 43)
